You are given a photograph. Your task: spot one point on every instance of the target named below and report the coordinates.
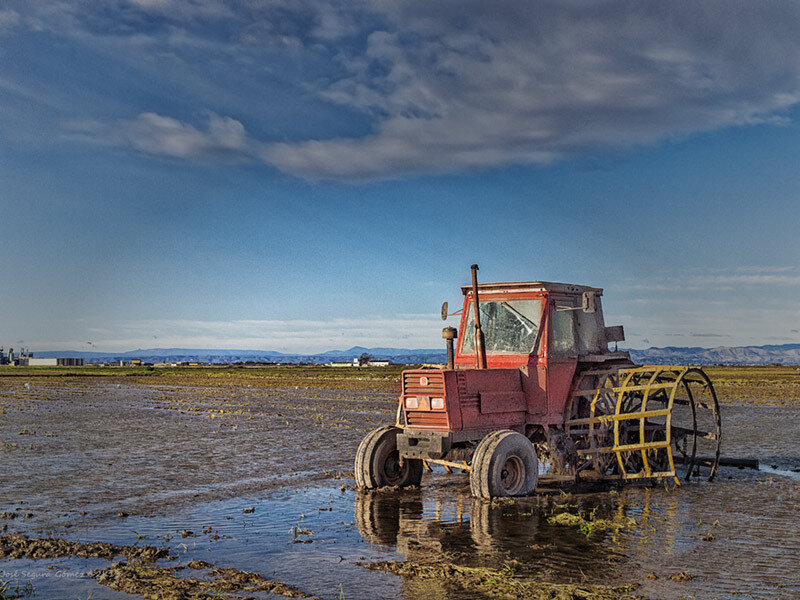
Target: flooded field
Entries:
(243, 488)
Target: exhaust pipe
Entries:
(449, 334)
(480, 348)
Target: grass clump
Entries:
(503, 583)
(592, 524)
(161, 583)
(14, 590)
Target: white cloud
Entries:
(741, 279)
(724, 321)
(704, 324)
(157, 134)
(180, 9)
(466, 85)
(746, 305)
(771, 278)
(152, 4)
(447, 87)
(221, 137)
(292, 336)
(8, 19)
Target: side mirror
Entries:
(444, 311)
(589, 302)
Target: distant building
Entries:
(39, 362)
(10, 359)
(50, 362)
(355, 363)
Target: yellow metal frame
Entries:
(615, 389)
(449, 465)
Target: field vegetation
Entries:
(385, 378)
(773, 384)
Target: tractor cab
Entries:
(512, 368)
(526, 323)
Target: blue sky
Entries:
(302, 176)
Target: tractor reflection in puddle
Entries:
(452, 528)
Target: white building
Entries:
(50, 362)
(355, 363)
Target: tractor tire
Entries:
(384, 518)
(362, 471)
(378, 462)
(504, 464)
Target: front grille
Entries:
(432, 388)
(425, 418)
(412, 385)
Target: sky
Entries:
(305, 176)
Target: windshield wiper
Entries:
(520, 316)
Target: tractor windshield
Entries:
(509, 326)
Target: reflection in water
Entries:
(735, 538)
(453, 527)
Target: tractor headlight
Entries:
(437, 403)
(412, 402)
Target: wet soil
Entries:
(162, 583)
(16, 545)
(237, 483)
(107, 448)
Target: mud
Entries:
(160, 583)
(238, 483)
(112, 448)
(21, 546)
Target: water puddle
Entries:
(774, 470)
(306, 537)
(729, 539)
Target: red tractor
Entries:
(533, 382)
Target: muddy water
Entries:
(104, 448)
(189, 481)
(752, 516)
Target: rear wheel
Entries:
(652, 422)
(695, 427)
(504, 464)
(378, 462)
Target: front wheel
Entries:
(504, 464)
(378, 462)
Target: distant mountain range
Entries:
(156, 355)
(788, 354)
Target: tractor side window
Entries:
(563, 336)
(509, 326)
(588, 332)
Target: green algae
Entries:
(503, 583)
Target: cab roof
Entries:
(531, 286)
